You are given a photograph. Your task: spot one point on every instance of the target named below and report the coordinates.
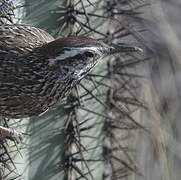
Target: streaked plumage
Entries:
(36, 70)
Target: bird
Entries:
(37, 71)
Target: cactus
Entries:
(87, 134)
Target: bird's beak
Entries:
(122, 48)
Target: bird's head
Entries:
(77, 55)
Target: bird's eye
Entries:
(89, 54)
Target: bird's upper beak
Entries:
(112, 49)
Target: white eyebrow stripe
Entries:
(75, 51)
(71, 53)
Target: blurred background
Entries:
(160, 155)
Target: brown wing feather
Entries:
(18, 40)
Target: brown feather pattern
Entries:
(28, 84)
(36, 71)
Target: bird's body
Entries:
(18, 40)
(18, 77)
(36, 70)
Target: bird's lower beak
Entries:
(123, 48)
